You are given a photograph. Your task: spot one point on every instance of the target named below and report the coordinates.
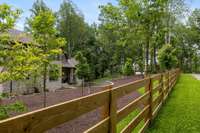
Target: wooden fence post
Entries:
(113, 112)
(149, 88)
(106, 108)
(168, 82)
(175, 78)
(162, 87)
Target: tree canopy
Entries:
(151, 34)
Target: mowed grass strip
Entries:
(181, 112)
(122, 124)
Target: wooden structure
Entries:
(157, 86)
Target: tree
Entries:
(82, 37)
(166, 57)
(127, 69)
(37, 7)
(138, 29)
(71, 25)
(8, 17)
(120, 32)
(82, 69)
(17, 59)
(42, 27)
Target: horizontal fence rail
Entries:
(157, 89)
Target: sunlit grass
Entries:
(180, 114)
(122, 124)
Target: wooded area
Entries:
(154, 35)
(134, 32)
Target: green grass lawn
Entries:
(181, 112)
(104, 79)
(122, 124)
(126, 121)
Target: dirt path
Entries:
(82, 123)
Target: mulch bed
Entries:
(83, 122)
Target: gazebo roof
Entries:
(70, 63)
(20, 36)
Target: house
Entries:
(66, 68)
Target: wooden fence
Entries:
(157, 89)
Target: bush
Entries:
(83, 68)
(4, 95)
(127, 69)
(166, 57)
(5, 110)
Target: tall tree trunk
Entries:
(147, 50)
(82, 86)
(190, 62)
(11, 87)
(195, 63)
(147, 57)
(169, 24)
(147, 43)
(154, 58)
(44, 85)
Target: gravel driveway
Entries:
(197, 76)
(83, 122)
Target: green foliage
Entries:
(128, 29)
(5, 110)
(38, 6)
(167, 58)
(8, 17)
(42, 26)
(54, 72)
(3, 113)
(17, 59)
(83, 68)
(4, 95)
(72, 27)
(127, 69)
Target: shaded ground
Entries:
(82, 123)
(180, 114)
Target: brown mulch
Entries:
(83, 122)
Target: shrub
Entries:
(5, 110)
(166, 57)
(127, 69)
(4, 95)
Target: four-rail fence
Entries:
(157, 89)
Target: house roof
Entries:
(26, 38)
(1, 69)
(70, 63)
(20, 36)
